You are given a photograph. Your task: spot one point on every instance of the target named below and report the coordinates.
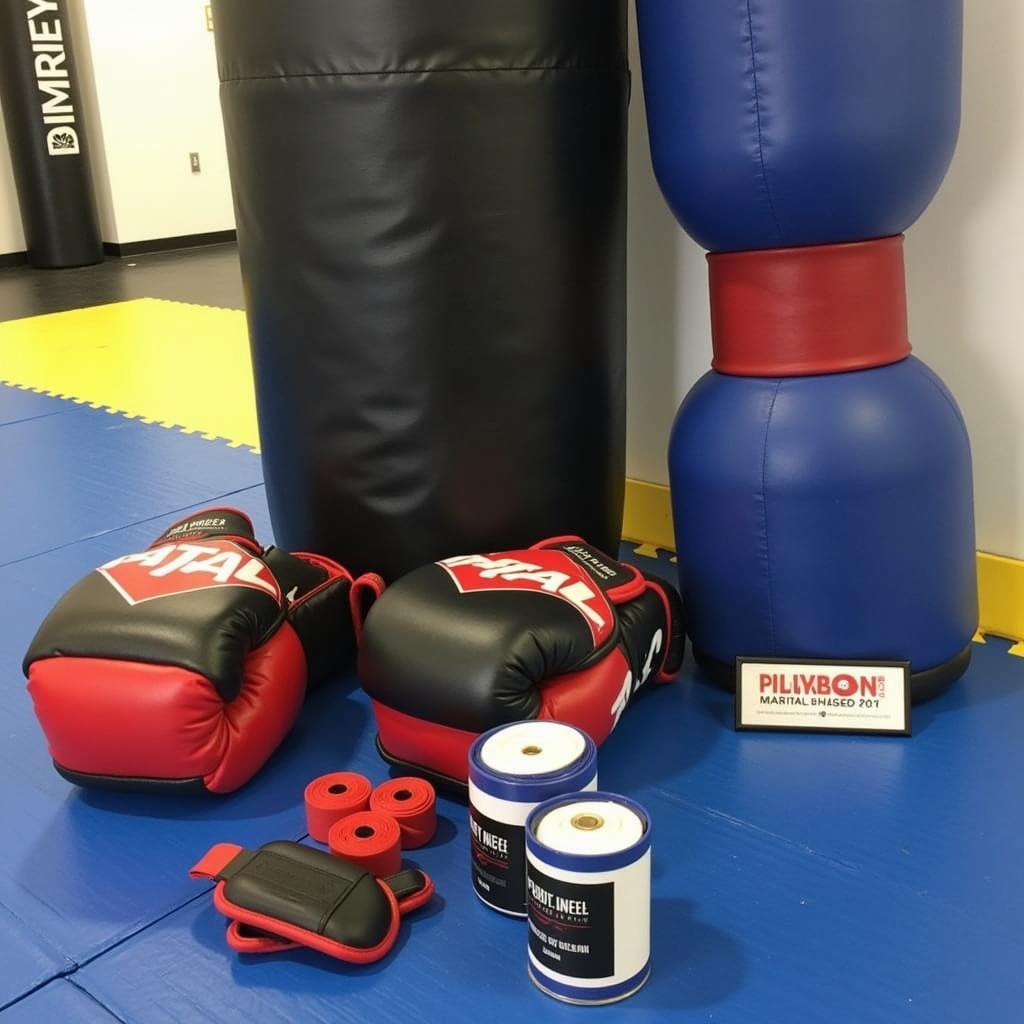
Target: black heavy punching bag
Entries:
(430, 197)
(40, 93)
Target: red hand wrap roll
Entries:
(370, 839)
(332, 797)
(412, 803)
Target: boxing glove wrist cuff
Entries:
(810, 310)
(286, 894)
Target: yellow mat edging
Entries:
(648, 520)
(183, 366)
(1001, 594)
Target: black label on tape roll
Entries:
(499, 862)
(572, 925)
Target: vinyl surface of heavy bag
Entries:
(787, 122)
(430, 206)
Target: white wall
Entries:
(965, 270)
(149, 79)
(155, 100)
(12, 239)
(965, 262)
(89, 111)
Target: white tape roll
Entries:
(590, 827)
(511, 770)
(532, 748)
(588, 867)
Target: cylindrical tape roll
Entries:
(370, 839)
(412, 802)
(511, 770)
(588, 879)
(332, 797)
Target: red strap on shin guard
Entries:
(215, 860)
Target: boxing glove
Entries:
(558, 631)
(184, 666)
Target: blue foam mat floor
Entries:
(795, 877)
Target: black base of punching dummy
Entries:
(923, 685)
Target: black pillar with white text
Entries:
(41, 98)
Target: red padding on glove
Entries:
(440, 748)
(131, 719)
(587, 699)
(332, 797)
(412, 802)
(591, 699)
(810, 310)
(370, 839)
(364, 591)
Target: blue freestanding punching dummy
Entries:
(821, 476)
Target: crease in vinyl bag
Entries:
(430, 200)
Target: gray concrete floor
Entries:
(208, 275)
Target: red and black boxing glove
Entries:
(558, 631)
(184, 666)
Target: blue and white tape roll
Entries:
(588, 871)
(511, 770)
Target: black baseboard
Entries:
(149, 245)
(13, 259)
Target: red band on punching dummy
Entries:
(329, 798)
(412, 802)
(370, 839)
(816, 309)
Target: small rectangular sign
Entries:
(823, 696)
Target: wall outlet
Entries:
(208, 13)
(193, 159)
